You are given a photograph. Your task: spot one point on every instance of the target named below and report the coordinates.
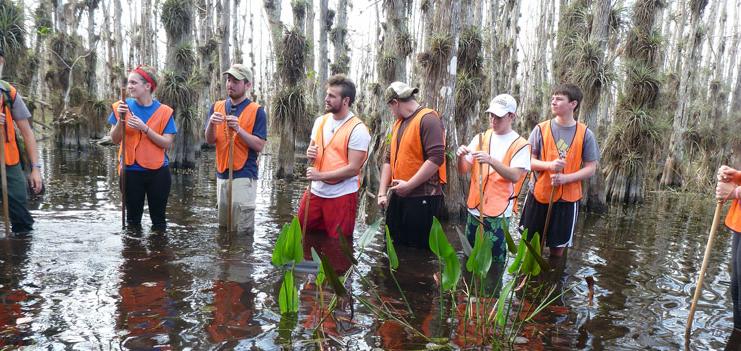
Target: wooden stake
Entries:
(701, 277)
(122, 175)
(230, 136)
(3, 171)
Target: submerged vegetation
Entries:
(477, 313)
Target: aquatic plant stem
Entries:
(701, 277)
(3, 173)
(406, 302)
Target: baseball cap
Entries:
(502, 104)
(240, 72)
(399, 90)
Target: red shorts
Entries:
(332, 216)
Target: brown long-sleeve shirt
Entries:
(433, 148)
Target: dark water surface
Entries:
(79, 282)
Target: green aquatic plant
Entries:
(288, 250)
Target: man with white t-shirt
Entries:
(500, 159)
(339, 148)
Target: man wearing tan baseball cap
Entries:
(246, 122)
(414, 167)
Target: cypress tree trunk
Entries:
(338, 34)
(325, 24)
(439, 66)
(289, 106)
(180, 84)
(633, 137)
(235, 31)
(674, 173)
(223, 8)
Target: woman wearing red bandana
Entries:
(150, 130)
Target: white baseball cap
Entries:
(502, 104)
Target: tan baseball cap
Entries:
(240, 72)
(399, 90)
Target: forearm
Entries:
(538, 165)
(163, 141)
(117, 133)
(587, 171)
(463, 165)
(423, 174)
(253, 142)
(343, 173)
(385, 178)
(31, 149)
(512, 174)
(210, 134)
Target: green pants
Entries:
(20, 218)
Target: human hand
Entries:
(726, 174)
(122, 109)
(482, 157)
(233, 122)
(724, 190)
(557, 165)
(400, 187)
(136, 123)
(313, 174)
(382, 201)
(311, 152)
(36, 183)
(216, 118)
(462, 150)
(560, 179)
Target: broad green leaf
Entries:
(451, 271)
(441, 247)
(502, 301)
(331, 274)
(534, 253)
(479, 262)
(320, 273)
(521, 250)
(369, 234)
(438, 241)
(390, 251)
(295, 249)
(279, 255)
(288, 297)
(510, 243)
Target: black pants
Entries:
(155, 185)
(736, 280)
(410, 218)
(20, 218)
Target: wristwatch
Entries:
(36, 165)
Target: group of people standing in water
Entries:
(559, 153)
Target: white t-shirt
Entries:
(359, 140)
(497, 150)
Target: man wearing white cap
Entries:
(498, 160)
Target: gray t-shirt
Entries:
(563, 137)
(19, 110)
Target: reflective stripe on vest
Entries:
(12, 156)
(334, 154)
(498, 191)
(407, 155)
(733, 218)
(241, 150)
(570, 192)
(141, 149)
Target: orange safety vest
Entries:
(570, 192)
(407, 155)
(241, 150)
(733, 218)
(141, 149)
(12, 157)
(498, 191)
(334, 153)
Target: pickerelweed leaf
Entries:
(288, 296)
(391, 251)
